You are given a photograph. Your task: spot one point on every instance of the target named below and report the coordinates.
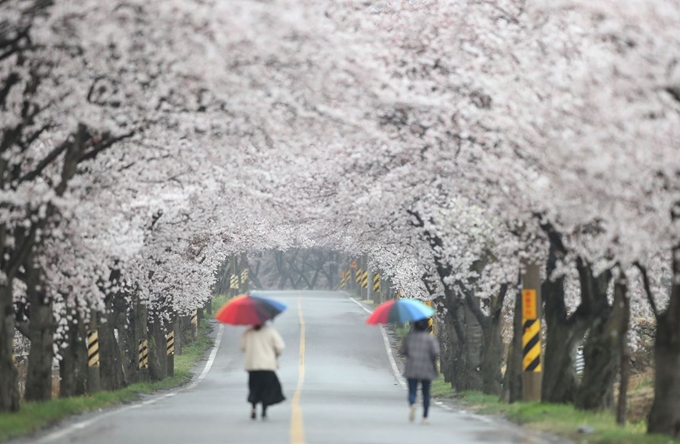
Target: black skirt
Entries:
(264, 388)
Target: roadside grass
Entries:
(558, 419)
(402, 330)
(218, 301)
(442, 389)
(34, 416)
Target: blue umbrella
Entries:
(280, 306)
(400, 311)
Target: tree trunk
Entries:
(474, 340)
(601, 350)
(491, 350)
(39, 374)
(564, 333)
(563, 338)
(9, 377)
(447, 339)
(141, 315)
(622, 287)
(185, 329)
(253, 275)
(664, 417)
(513, 374)
(73, 364)
(111, 363)
(457, 369)
(491, 359)
(158, 359)
(179, 340)
(127, 344)
(467, 362)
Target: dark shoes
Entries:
(253, 413)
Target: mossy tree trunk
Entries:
(564, 332)
(73, 364)
(41, 335)
(9, 376)
(513, 374)
(664, 417)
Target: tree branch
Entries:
(47, 160)
(23, 327)
(648, 289)
(473, 305)
(104, 145)
(497, 307)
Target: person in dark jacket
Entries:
(421, 350)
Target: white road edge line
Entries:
(211, 359)
(388, 348)
(83, 424)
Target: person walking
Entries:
(262, 346)
(421, 350)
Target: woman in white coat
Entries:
(263, 345)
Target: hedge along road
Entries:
(336, 374)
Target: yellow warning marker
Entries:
(92, 348)
(531, 336)
(170, 343)
(143, 354)
(430, 322)
(376, 283)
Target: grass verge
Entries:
(34, 416)
(557, 419)
(218, 301)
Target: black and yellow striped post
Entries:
(143, 362)
(170, 351)
(233, 284)
(93, 363)
(430, 322)
(376, 283)
(357, 280)
(532, 372)
(364, 279)
(344, 279)
(92, 348)
(244, 280)
(170, 343)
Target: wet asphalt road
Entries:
(337, 377)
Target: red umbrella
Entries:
(249, 309)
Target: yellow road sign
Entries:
(529, 309)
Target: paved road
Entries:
(337, 377)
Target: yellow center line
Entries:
(297, 432)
